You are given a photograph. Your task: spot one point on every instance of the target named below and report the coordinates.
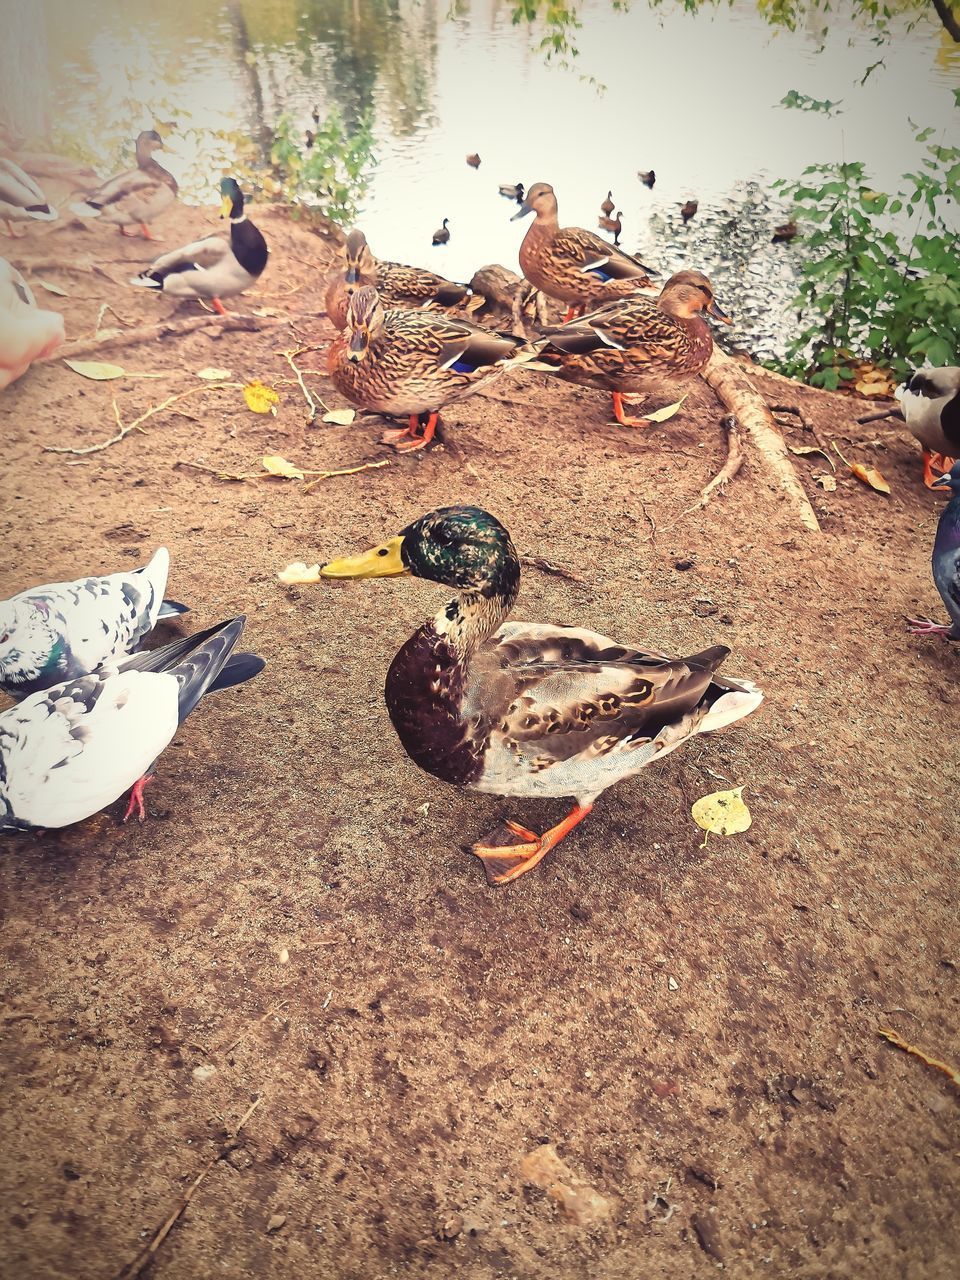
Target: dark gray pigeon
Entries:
(67, 629)
(945, 562)
(67, 752)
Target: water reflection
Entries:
(692, 97)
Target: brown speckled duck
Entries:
(412, 363)
(399, 286)
(572, 264)
(136, 196)
(640, 345)
(525, 708)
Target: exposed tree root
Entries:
(741, 398)
(165, 329)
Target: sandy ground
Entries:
(299, 926)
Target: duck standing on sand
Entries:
(931, 408)
(528, 709)
(136, 196)
(642, 345)
(26, 331)
(572, 264)
(945, 562)
(354, 266)
(213, 268)
(412, 363)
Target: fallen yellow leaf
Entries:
(274, 465)
(722, 812)
(866, 475)
(297, 573)
(340, 417)
(95, 369)
(667, 412)
(260, 398)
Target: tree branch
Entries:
(948, 18)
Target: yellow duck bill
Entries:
(384, 561)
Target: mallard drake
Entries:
(512, 190)
(572, 264)
(640, 345)
(64, 630)
(647, 176)
(136, 196)
(473, 161)
(399, 286)
(21, 199)
(688, 210)
(26, 331)
(442, 234)
(68, 751)
(931, 407)
(945, 561)
(529, 709)
(607, 206)
(413, 363)
(613, 225)
(213, 268)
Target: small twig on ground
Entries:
(345, 471)
(723, 477)
(165, 329)
(889, 1034)
(796, 412)
(135, 425)
(134, 1268)
(313, 405)
(884, 413)
(555, 570)
(213, 471)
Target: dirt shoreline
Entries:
(694, 1027)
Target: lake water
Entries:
(692, 96)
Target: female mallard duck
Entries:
(21, 200)
(213, 268)
(26, 332)
(640, 345)
(135, 196)
(399, 286)
(572, 264)
(607, 206)
(931, 407)
(613, 225)
(412, 363)
(529, 709)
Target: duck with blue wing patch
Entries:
(213, 268)
(529, 709)
(572, 264)
(69, 751)
(412, 363)
(64, 630)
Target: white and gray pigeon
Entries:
(945, 562)
(67, 752)
(66, 629)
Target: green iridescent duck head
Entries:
(462, 547)
(365, 319)
(231, 199)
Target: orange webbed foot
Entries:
(623, 418)
(504, 861)
(934, 465)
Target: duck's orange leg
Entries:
(624, 419)
(11, 230)
(572, 313)
(414, 436)
(504, 863)
(218, 306)
(147, 234)
(934, 465)
(123, 231)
